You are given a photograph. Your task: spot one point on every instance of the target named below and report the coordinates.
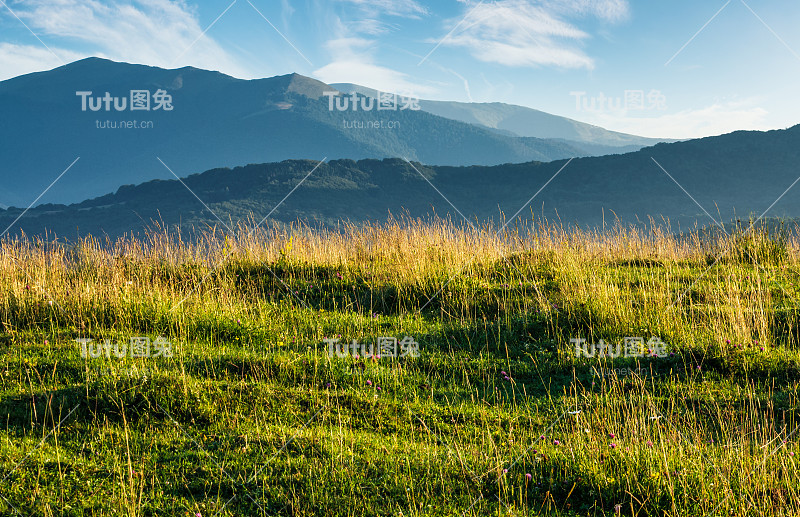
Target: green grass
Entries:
(250, 416)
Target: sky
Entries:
(668, 69)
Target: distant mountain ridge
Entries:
(216, 121)
(522, 121)
(730, 176)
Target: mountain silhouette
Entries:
(215, 121)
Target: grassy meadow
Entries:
(246, 413)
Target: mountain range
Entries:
(522, 121)
(697, 182)
(220, 121)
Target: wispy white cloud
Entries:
(464, 82)
(373, 76)
(715, 119)
(287, 11)
(609, 10)
(370, 16)
(448, 88)
(405, 8)
(153, 32)
(353, 63)
(25, 59)
(370, 26)
(354, 44)
(524, 33)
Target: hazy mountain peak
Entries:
(307, 86)
(217, 121)
(518, 120)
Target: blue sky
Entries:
(703, 67)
